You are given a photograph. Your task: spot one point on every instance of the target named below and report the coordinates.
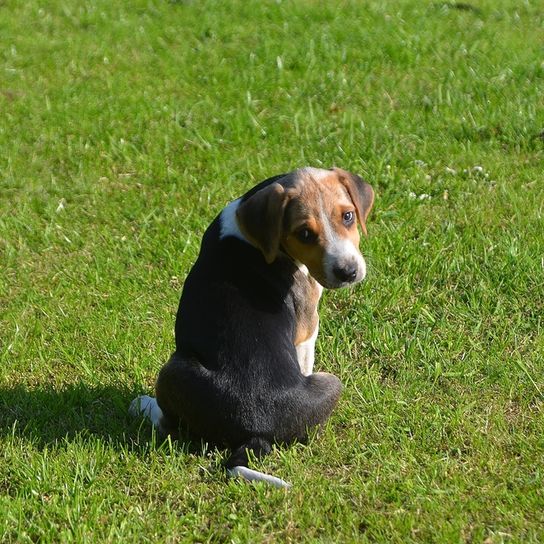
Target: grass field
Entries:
(125, 127)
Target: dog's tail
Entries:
(236, 464)
(147, 406)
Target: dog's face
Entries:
(312, 215)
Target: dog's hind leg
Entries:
(309, 405)
(237, 463)
(323, 391)
(303, 407)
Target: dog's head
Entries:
(311, 215)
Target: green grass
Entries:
(125, 127)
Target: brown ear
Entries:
(360, 192)
(260, 219)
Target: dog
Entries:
(242, 373)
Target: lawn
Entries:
(125, 127)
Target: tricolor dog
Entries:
(242, 373)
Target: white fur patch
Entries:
(320, 289)
(316, 173)
(306, 353)
(229, 224)
(339, 250)
(146, 406)
(342, 250)
(256, 476)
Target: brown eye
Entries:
(347, 218)
(306, 236)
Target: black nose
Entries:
(345, 273)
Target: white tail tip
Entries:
(146, 406)
(256, 476)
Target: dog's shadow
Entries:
(47, 415)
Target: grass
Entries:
(127, 126)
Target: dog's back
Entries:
(227, 381)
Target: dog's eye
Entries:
(306, 236)
(348, 218)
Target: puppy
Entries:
(242, 373)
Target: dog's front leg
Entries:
(306, 353)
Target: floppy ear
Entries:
(360, 192)
(260, 219)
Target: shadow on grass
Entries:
(47, 416)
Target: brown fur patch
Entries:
(360, 192)
(273, 217)
(306, 294)
(319, 206)
(260, 219)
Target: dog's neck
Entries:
(229, 227)
(229, 222)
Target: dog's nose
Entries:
(345, 273)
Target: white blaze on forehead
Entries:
(339, 251)
(317, 173)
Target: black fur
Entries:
(234, 378)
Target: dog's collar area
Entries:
(283, 253)
(229, 223)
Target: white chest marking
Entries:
(306, 353)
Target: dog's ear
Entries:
(260, 219)
(360, 192)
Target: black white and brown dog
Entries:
(242, 373)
